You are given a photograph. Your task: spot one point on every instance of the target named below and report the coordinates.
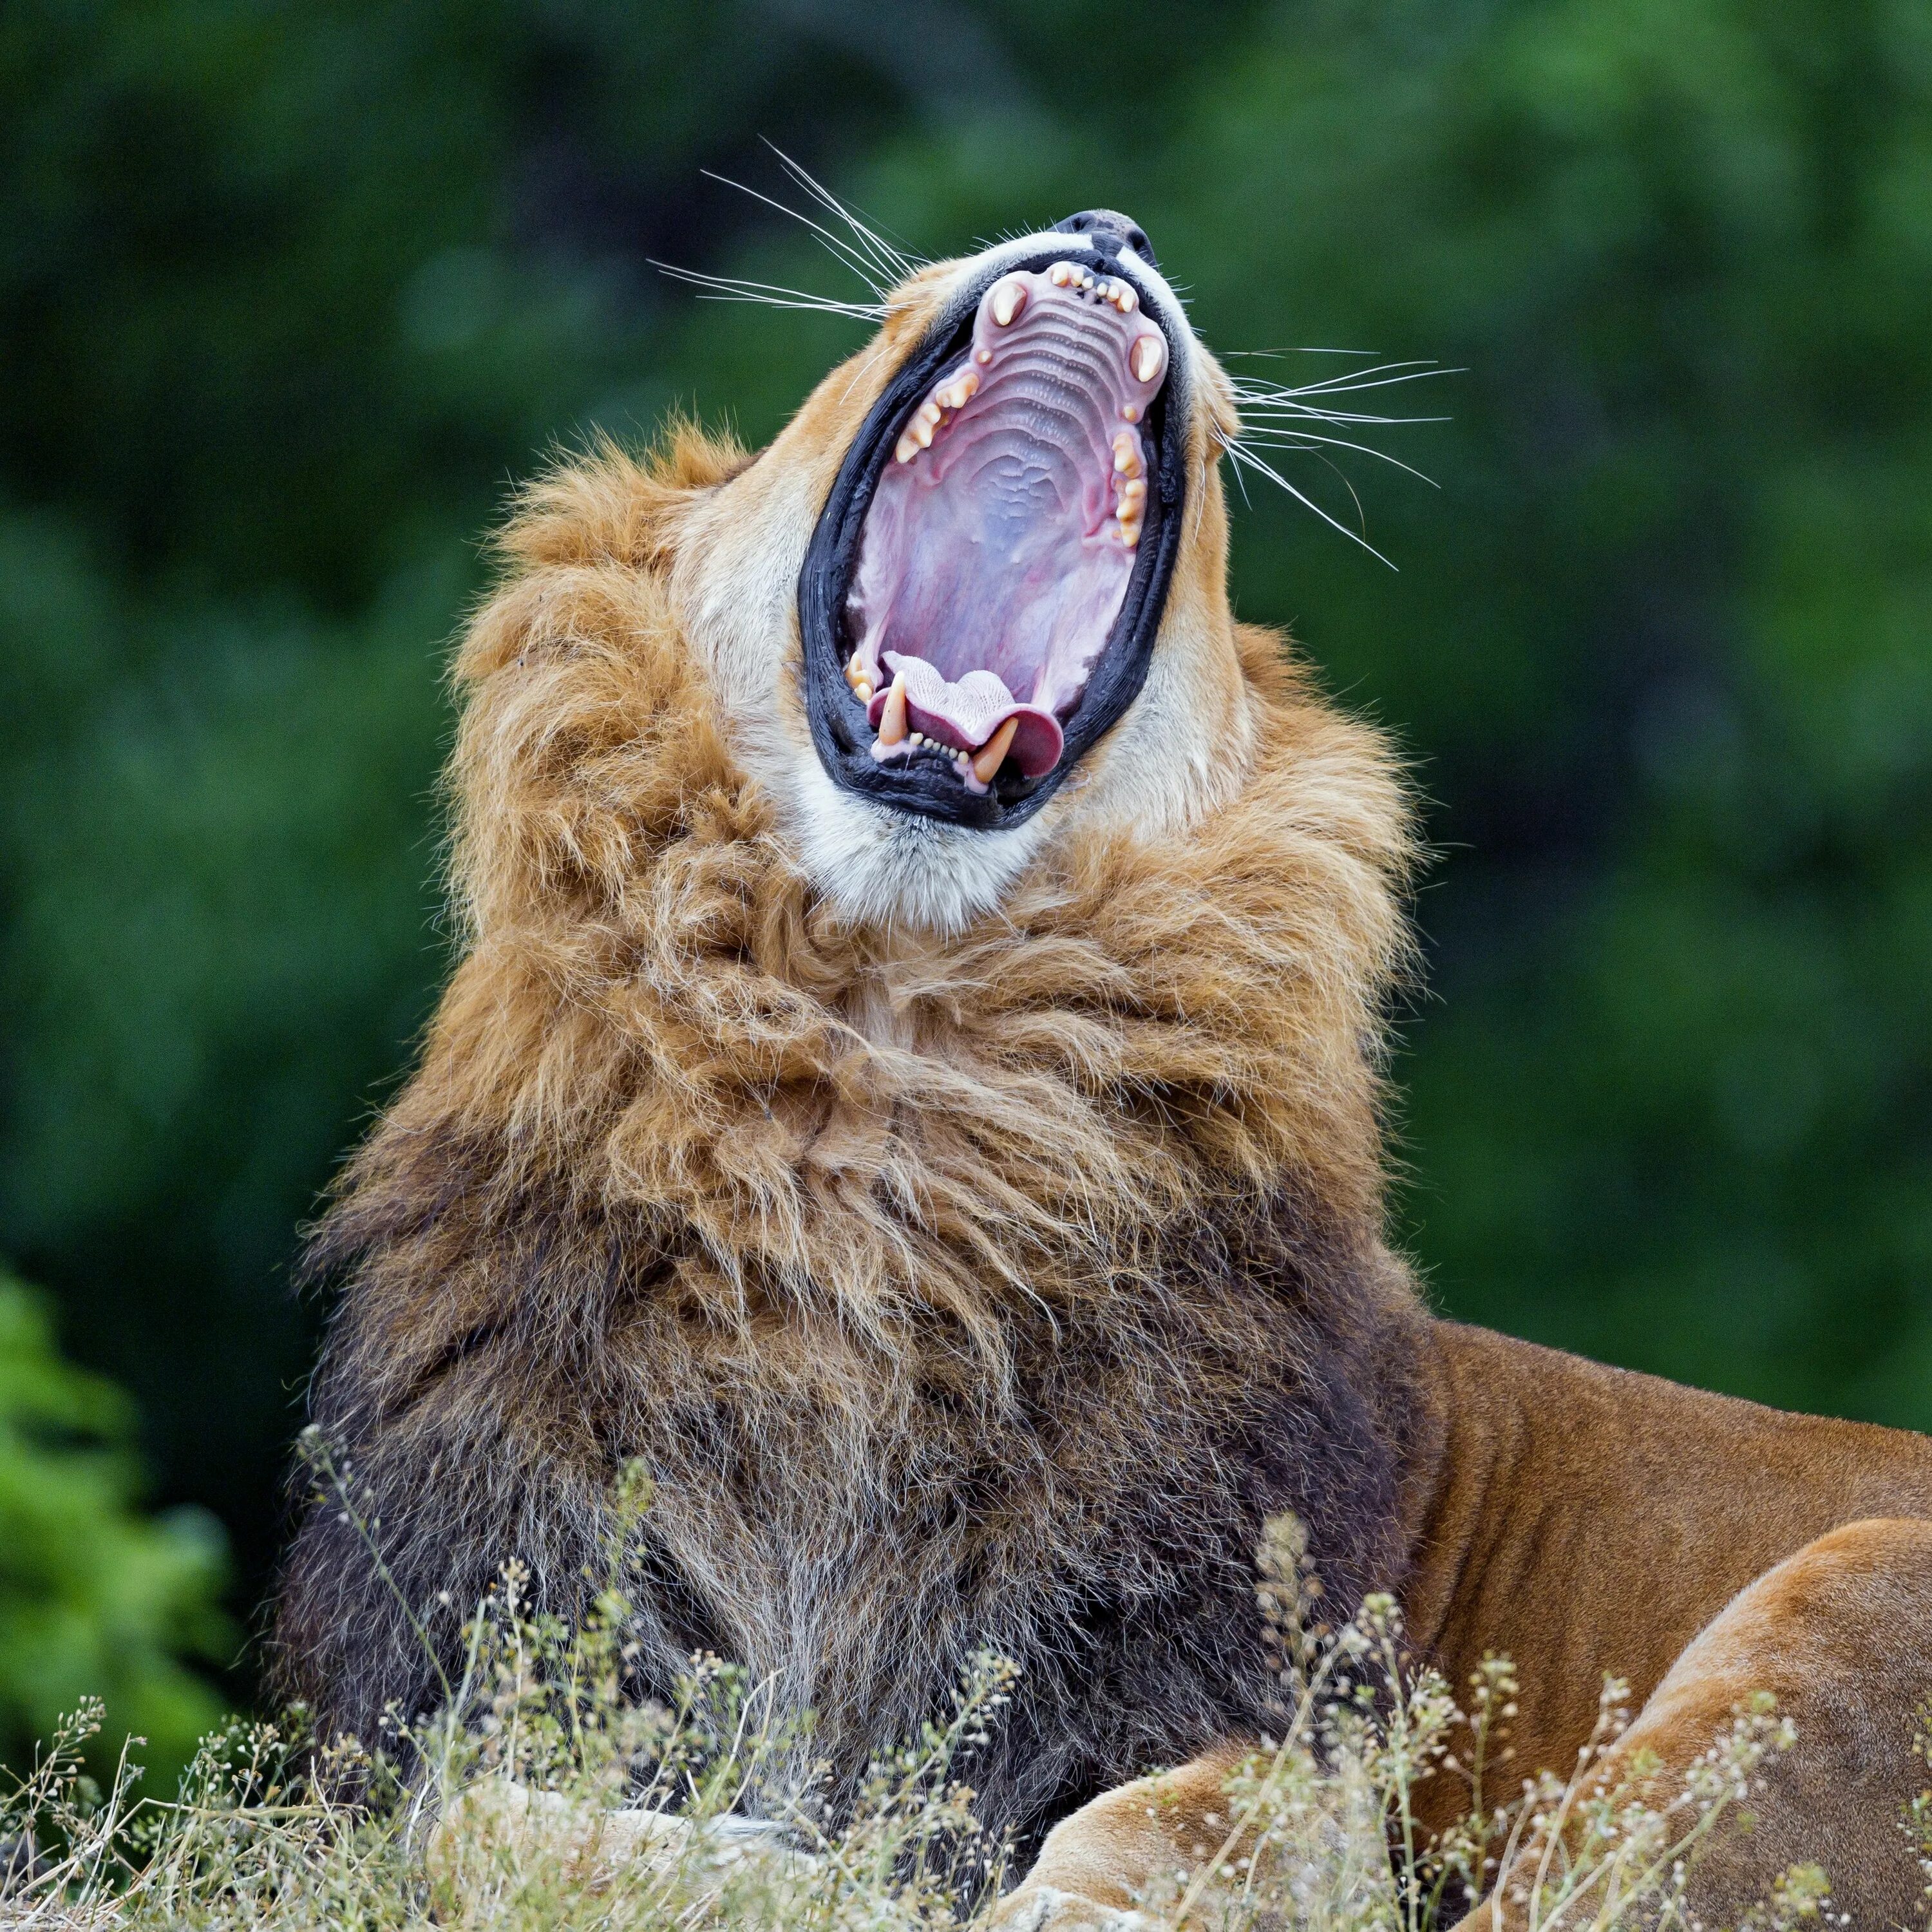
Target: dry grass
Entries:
(541, 1796)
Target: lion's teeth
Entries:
(1122, 296)
(906, 448)
(1127, 454)
(892, 719)
(1063, 274)
(1133, 494)
(1008, 298)
(1147, 357)
(992, 754)
(961, 391)
(920, 428)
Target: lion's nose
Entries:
(1109, 231)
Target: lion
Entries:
(913, 1081)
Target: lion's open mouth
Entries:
(1001, 536)
(990, 568)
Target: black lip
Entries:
(838, 728)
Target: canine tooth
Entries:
(1146, 357)
(1127, 454)
(892, 719)
(906, 448)
(1008, 298)
(992, 754)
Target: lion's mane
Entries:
(986, 1292)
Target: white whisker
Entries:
(733, 288)
(896, 263)
(1306, 438)
(841, 251)
(1245, 457)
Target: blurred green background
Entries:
(289, 293)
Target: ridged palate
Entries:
(1000, 539)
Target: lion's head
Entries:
(973, 595)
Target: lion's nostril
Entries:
(1109, 232)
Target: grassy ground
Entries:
(541, 1798)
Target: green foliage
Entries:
(96, 1600)
(288, 294)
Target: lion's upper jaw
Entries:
(1181, 750)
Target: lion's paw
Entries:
(1044, 1908)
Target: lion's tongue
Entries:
(967, 714)
(999, 541)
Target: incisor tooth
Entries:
(1008, 298)
(1062, 273)
(992, 754)
(862, 691)
(1124, 298)
(1146, 357)
(892, 719)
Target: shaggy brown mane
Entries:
(1101, 1176)
(653, 1004)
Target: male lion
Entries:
(911, 1079)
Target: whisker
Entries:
(771, 294)
(1276, 354)
(1306, 439)
(895, 261)
(842, 251)
(1246, 457)
(1251, 408)
(1382, 376)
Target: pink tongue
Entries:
(965, 715)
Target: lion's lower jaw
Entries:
(878, 866)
